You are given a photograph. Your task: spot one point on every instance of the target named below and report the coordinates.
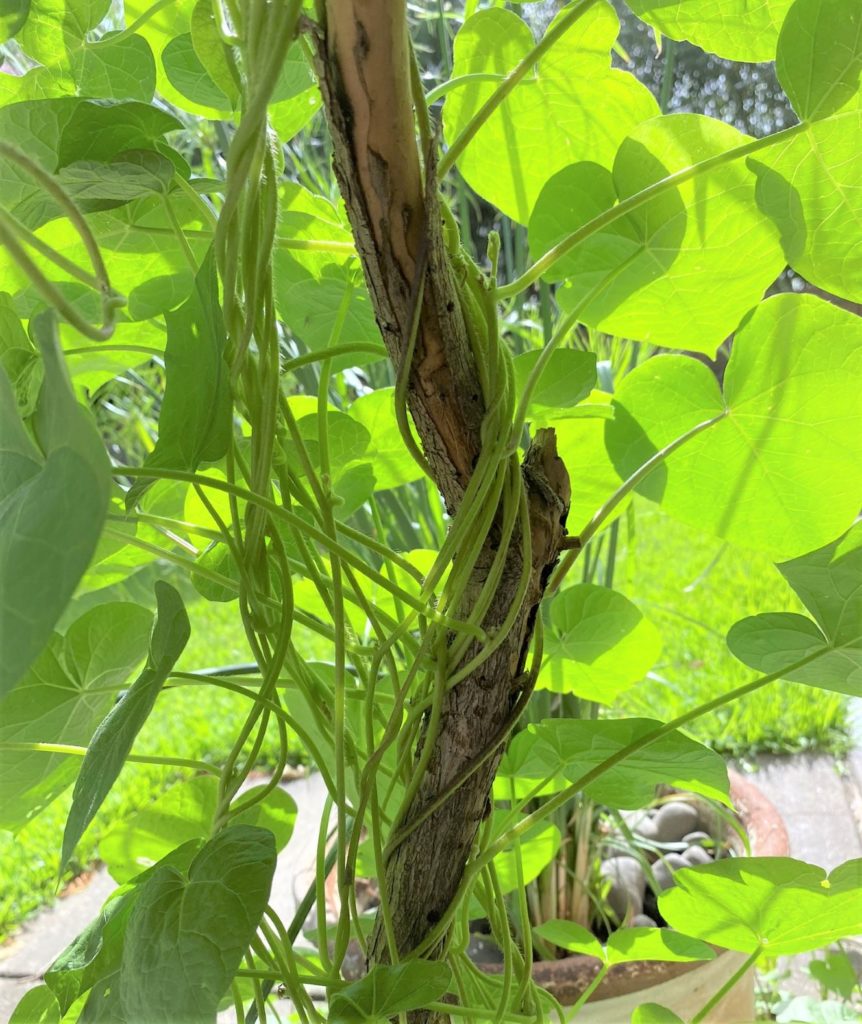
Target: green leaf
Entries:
(387, 991)
(773, 904)
(658, 944)
(121, 69)
(668, 271)
(736, 29)
(835, 973)
(59, 132)
(196, 927)
(213, 53)
(570, 936)
(560, 751)
(56, 28)
(537, 848)
(311, 295)
(189, 77)
(811, 186)
(567, 379)
(572, 107)
(829, 583)
(599, 644)
(62, 699)
(782, 470)
(95, 953)
(52, 507)
(113, 740)
(38, 1006)
(195, 418)
(183, 814)
(652, 1013)
(393, 464)
(819, 59)
(627, 945)
(13, 14)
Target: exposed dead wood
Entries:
(363, 69)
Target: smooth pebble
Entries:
(664, 869)
(675, 820)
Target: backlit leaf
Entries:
(387, 991)
(599, 644)
(782, 469)
(774, 904)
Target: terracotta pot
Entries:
(683, 988)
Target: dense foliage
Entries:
(158, 214)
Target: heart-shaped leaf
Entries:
(387, 991)
(775, 905)
(599, 644)
(558, 752)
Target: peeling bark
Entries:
(362, 57)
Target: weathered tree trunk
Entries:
(363, 66)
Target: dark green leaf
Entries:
(114, 738)
(187, 935)
(194, 423)
(93, 954)
(13, 14)
(51, 509)
(386, 991)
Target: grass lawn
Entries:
(690, 586)
(694, 588)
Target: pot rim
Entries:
(567, 978)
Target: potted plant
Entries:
(387, 484)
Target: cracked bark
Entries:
(362, 62)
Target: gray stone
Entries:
(696, 855)
(646, 829)
(663, 869)
(623, 900)
(674, 820)
(643, 921)
(698, 839)
(627, 870)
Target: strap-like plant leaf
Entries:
(776, 905)
(52, 507)
(387, 991)
(560, 751)
(599, 644)
(187, 934)
(194, 423)
(829, 583)
(114, 738)
(782, 469)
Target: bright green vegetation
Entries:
(694, 589)
(158, 211)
